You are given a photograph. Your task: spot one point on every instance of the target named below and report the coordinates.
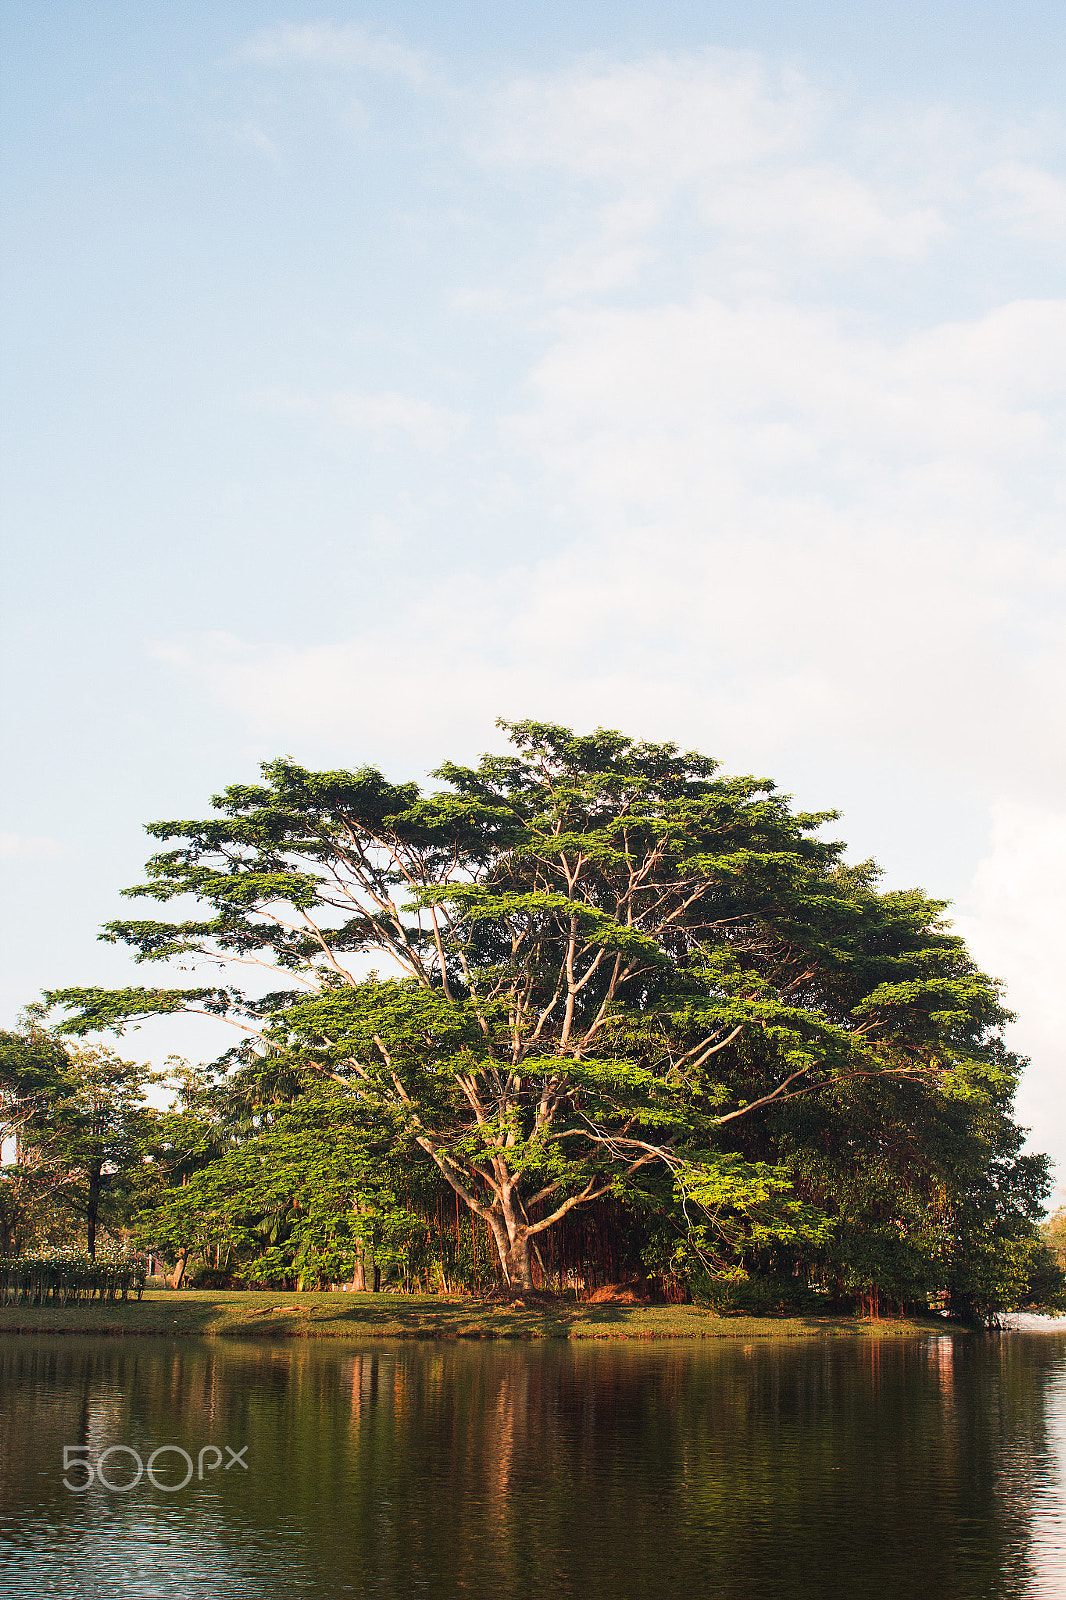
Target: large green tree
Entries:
(600, 956)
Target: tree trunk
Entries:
(514, 1255)
(179, 1270)
(92, 1209)
(363, 1260)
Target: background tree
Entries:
(1053, 1233)
(81, 1128)
(606, 956)
(31, 1062)
(184, 1139)
(309, 1197)
(96, 1134)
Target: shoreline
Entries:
(237, 1313)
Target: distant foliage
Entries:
(1053, 1233)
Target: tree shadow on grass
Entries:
(274, 1315)
(392, 1317)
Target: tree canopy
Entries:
(591, 967)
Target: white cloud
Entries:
(773, 495)
(324, 44)
(1028, 197)
(619, 248)
(668, 407)
(722, 134)
(27, 847)
(668, 118)
(253, 137)
(788, 521)
(1012, 920)
(830, 210)
(385, 417)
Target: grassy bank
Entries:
(235, 1313)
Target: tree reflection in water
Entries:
(780, 1468)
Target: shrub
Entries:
(60, 1276)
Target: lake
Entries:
(780, 1468)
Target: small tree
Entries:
(605, 957)
(81, 1123)
(31, 1063)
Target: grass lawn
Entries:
(367, 1316)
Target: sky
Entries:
(371, 373)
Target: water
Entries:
(785, 1469)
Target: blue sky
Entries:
(700, 371)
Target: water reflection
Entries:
(784, 1469)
